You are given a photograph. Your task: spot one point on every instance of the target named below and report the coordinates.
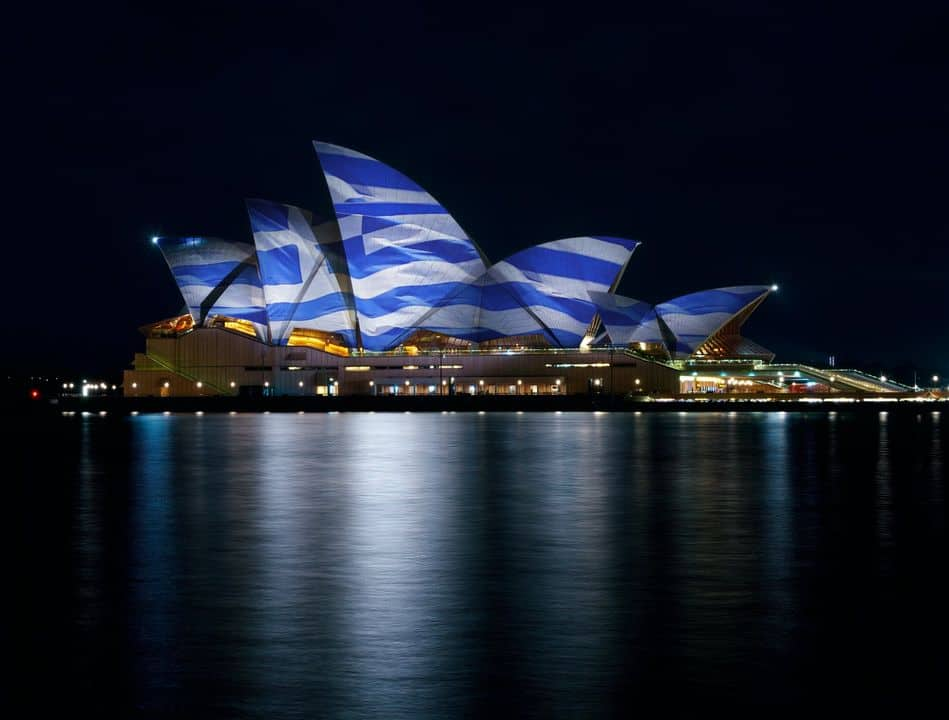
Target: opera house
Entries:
(391, 297)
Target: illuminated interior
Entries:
(318, 340)
(169, 327)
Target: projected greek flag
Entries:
(300, 283)
(217, 277)
(392, 263)
(548, 284)
(695, 317)
(626, 320)
(406, 254)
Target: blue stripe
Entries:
(280, 266)
(506, 296)
(495, 298)
(362, 265)
(386, 340)
(618, 319)
(431, 296)
(212, 274)
(374, 224)
(567, 339)
(565, 264)
(630, 315)
(470, 334)
(363, 171)
(710, 301)
(387, 209)
(266, 216)
(308, 310)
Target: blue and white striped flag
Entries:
(544, 289)
(627, 320)
(694, 318)
(300, 280)
(406, 254)
(217, 277)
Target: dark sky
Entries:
(740, 142)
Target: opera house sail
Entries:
(390, 272)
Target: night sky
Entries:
(739, 142)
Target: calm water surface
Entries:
(465, 565)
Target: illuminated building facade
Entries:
(391, 296)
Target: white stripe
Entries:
(591, 247)
(320, 287)
(556, 320)
(422, 272)
(682, 323)
(233, 296)
(407, 235)
(442, 223)
(553, 285)
(459, 317)
(341, 191)
(350, 226)
(378, 193)
(330, 149)
(209, 252)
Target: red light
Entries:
(34, 394)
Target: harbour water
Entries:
(432, 565)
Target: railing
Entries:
(170, 368)
(852, 378)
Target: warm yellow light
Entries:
(245, 327)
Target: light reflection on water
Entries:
(549, 565)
